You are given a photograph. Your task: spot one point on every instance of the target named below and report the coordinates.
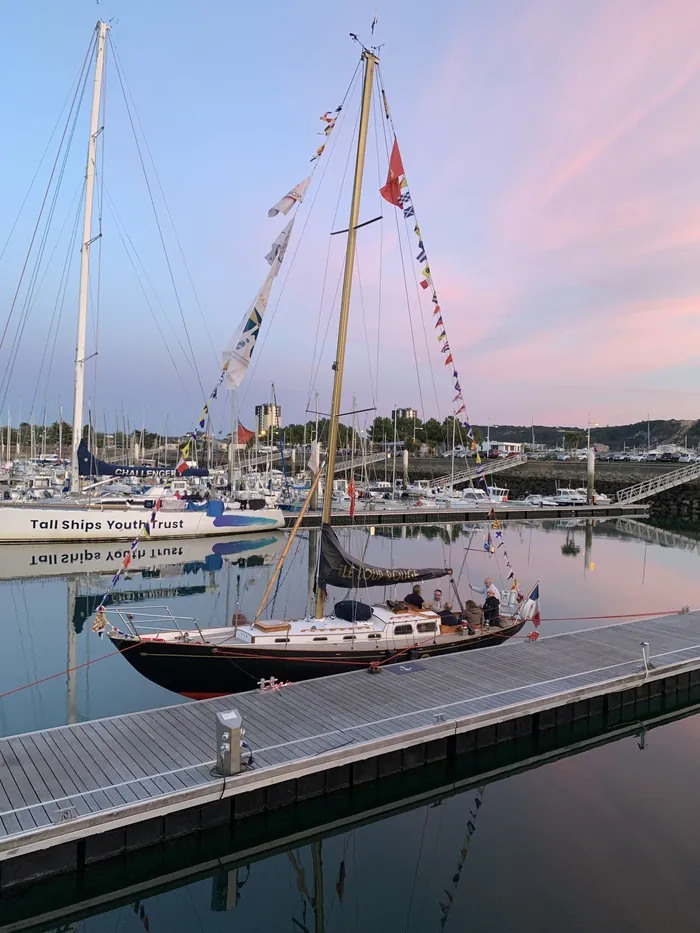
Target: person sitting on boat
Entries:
(437, 604)
(473, 616)
(414, 598)
(492, 603)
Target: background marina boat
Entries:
(119, 521)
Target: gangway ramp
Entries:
(652, 487)
(488, 466)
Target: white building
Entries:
(500, 447)
(408, 413)
(267, 416)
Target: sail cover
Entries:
(338, 568)
(89, 465)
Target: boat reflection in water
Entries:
(152, 558)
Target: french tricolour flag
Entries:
(535, 597)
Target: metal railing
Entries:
(651, 487)
(484, 468)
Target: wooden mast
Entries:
(370, 60)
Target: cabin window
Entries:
(349, 637)
(283, 640)
(374, 636)
(320, 638)
(403, 630)
(425, 626)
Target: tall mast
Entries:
(370, 61)
(78, 396)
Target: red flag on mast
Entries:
(391, 191)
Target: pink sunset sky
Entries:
(552, 154)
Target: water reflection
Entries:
(568, 846)
(564, 846)
(587, 568)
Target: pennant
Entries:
(115, 578)
(146, 530)
(409, 212)
(448, 360)
(319, 153)
(424, 283)
(279, 247)
(421, 257)
(182, 466)
(285, 204)
(404, 198)
(446, 348)
(442, 336)
(436, 309)
(462, 408)
(435, 297)
(391, 191)
(127, 561)
(438, 323)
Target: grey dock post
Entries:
(229, 741)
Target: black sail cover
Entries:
(89, 465)
(338, 568)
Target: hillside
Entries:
(614, 436)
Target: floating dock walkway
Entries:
(506, 511)
(76, 795)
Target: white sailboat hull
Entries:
(19, 523)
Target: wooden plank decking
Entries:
(70, 782)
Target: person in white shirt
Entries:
(492, 603)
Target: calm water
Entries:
(604, 840)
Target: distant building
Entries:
(500, 447)
(409, 413)
(267, 416)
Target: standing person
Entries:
(492, 603)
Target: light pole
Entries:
(590, 485)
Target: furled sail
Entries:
(89, 465)
(338, 568)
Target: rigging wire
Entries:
(377, 121)
(60, 296)
(405, 284)
(129, 247)
(429, 355)
(32, 288)
(76, 82)
(169, 213)
(327, 162)
(312, 377)
(77, 97)
(191, 360)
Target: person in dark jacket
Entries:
(414, 598)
